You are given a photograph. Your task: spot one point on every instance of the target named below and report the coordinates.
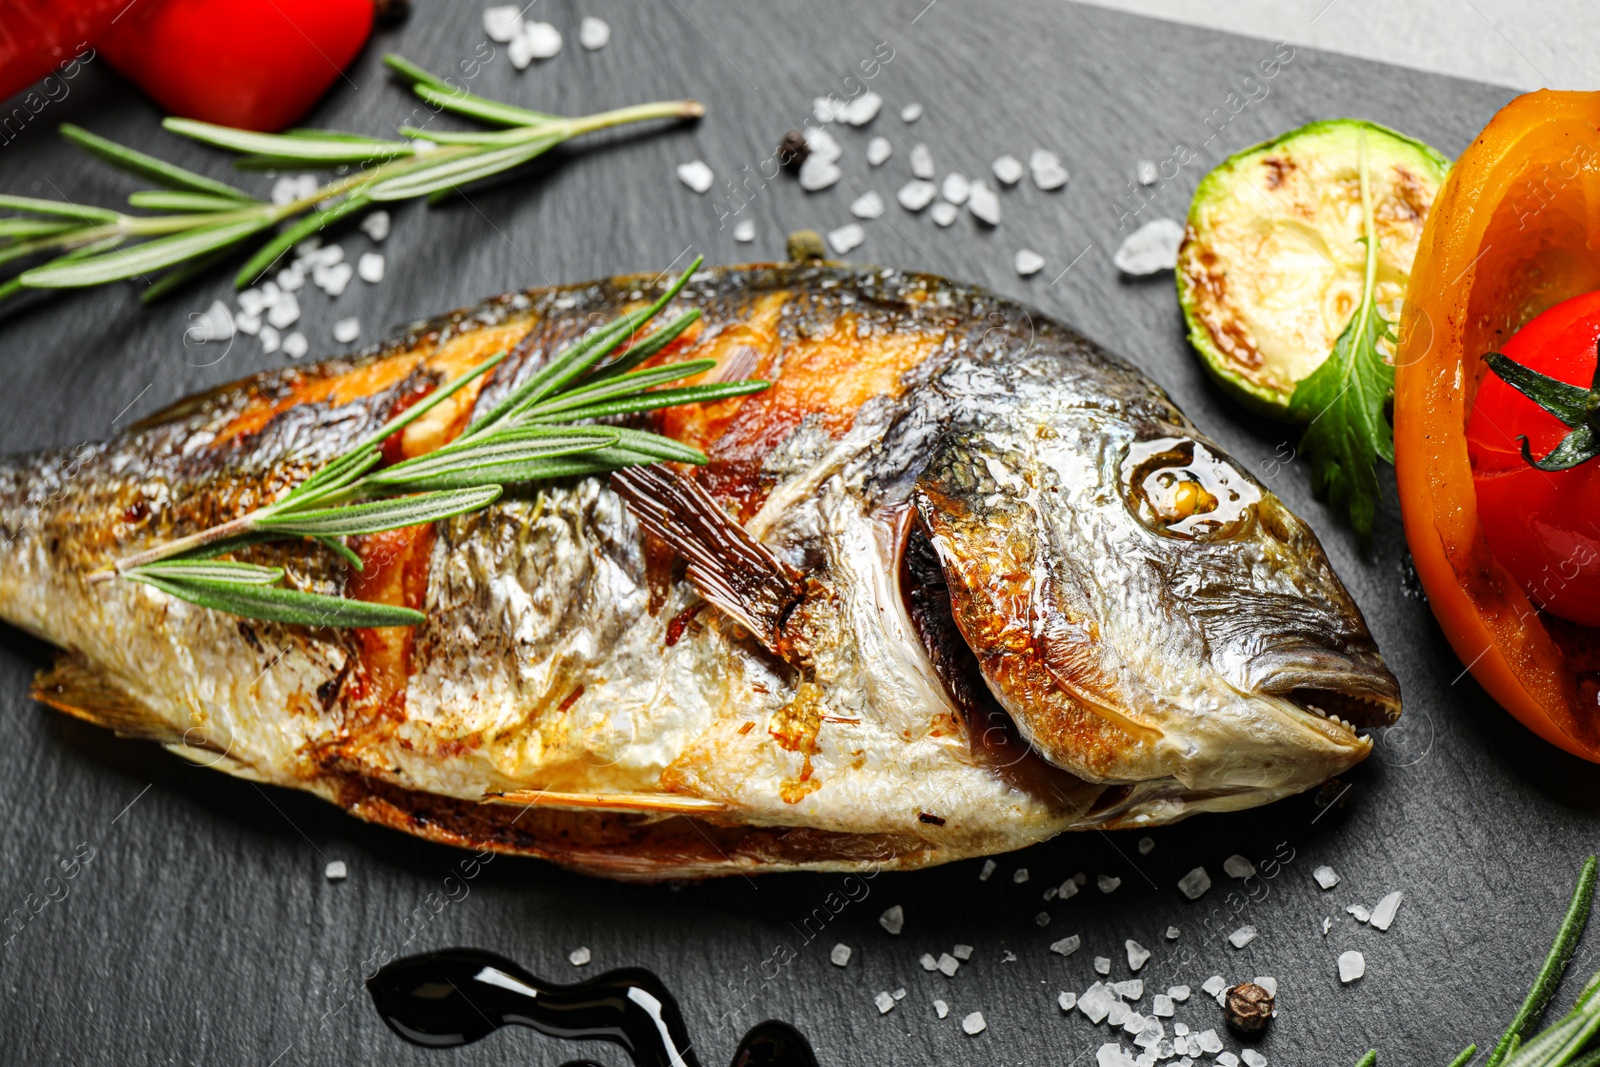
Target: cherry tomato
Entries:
(256, 64)
(1543, 527)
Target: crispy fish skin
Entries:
(1033, 598)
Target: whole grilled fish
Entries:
(958, 581)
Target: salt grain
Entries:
(1327, 924)
(336, 871)
(332, 280)
(214, 324)
(826, 109)
(1112, 1054)
(251, 302)
(1267, 982)
(1102, 965)
(1252, 1058)
(696, 175)
(817, 173)
(1067, 945)
(1042, 919)
(544, 40)
(247, 322)
(1137, 955)
(1095, 1004)
(840, 955)
(1069, 888)
(1384, 911)
(862, 110)
(1236, 866)
(1020, 876)
(922, 162)
(941, 1009)
(296, 345)
(502, 23)
(948, 964)
(884, 1002)
(1161, 1006)
(986, 870)
(1326, 876)
(944, 213)
(1179, 993)
(984, 202)
(1173, 933)
(1147, 845)
(579, 957)
(283, 191)
(878, 150)
(893, 920)
(916, 195)
(1227, 1059)
(269, 339)
(1132, 989)
(867, 206)
(1194, 884)
(1359, 911)
(520, 51)
(1212, 986)
(594, 34)
(823, 145)
(973, 1024)
(899, 994)
(1048, 171)
(1208, 1041)
(1145, 172)
(1242, 936)
(369, 268)
(928, 962)
(1134, 1023)
(290, 279)
(1008, 170)
(285, 312)
(911, 112)
(1050, 894)
(1352, 965)
(962, 952)
(956, 189)
(376, 225)
(1151, 248)
(1118, 1014)
(346, 330)
(745, 231)
(1067, 1000)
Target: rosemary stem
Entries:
(233, 528)
(666, 109)
(1555, 964)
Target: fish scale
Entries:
(618, 722)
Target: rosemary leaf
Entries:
(141, 259)
(308, 150)
(25, 227)
(379, 515)
(269, 253)
(1555, 963)
(1369, 1059)
(283, 605)
(639, 352)
(1465, 1056)
(656, 399)
(60, 208)
(435, 90)
(496, 460)
(459, 170)
(181, 200)
(658, 447)
(623, 385)
(148, 167)
(219, 570)
(342, 550)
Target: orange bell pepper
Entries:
(1515, 230)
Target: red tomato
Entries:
(257, 64)
(1543, 527)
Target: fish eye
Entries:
(1180, 488)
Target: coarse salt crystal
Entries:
(1043, 918)
(962, 952)
(867, 206)
(1194, 884)
(922, 162)
(928, 962)
(948, 964)
(1112, 1054)
(1020, 876)
(594, 34)
(369, 268)
(214, 324)
(1161, 1006)
(1227, 1059)
(328, 255)
(544, 40)
(1252, 1058)
(1180, 1029)
(697, 175)
(911, 112)
(984, 203)
(502, 23)
(826, 109)
(840, 956)
(376, 225)
(817, 173)
(1327, 924)
(283, 191)
(579, 957)
(899, 994)
(1130, 989)
(823, 144)
(1145, 172)
(1137, 955)
(1147, 845)
(1118, 1014)
(296, 345)
(1151, 248)
(1208, 1041)
(269, 339)
(986, 870)
(336, 871)
(745, 231)
(1108, 883)
(1326, 876)
(347, 330)
(1102, 965)
(956, 189)
(247, 322)
(290, 278)
(332, 280)
(884, 1002)
(1359, 911)
(520, 51)
(1008, 170)
(1179, 993)
(1352, 965)
(916, 194)
(1066, 1000)
(1212, 986)
(846, 237)
(893, 920)
(285, 312)
(944, 213)
(251, 302)
(1050, 894)
(1134, 1023)
(1267, 982)
(973, 1024)
(878, 150)
(1236, 866)
(1384, 911)
(1242, 936)
(1173, 933)
(941, 1009)
(1048, 171)
(862, 110)
(1069, 888)
(1095, 1004)
(1067, 945)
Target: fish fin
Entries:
(74, 686)
(732, 570)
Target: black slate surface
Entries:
(202, 930)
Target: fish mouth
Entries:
(1353, 690)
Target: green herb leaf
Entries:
(1342, 401)
(148, 167)
(1555, 964)
(180, 200)
(59, 208)
(141, 259)
(23, 228)
(379, 515)
(459, 170)
(307, 149)
(657, 399)
(435, 90)
(282, 605)
(218, 570)
(495, 460)
(649, 346)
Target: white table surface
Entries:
(1526, 44)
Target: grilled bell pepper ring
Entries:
(1512, 234)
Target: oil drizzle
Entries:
(457, 996)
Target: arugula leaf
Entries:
(1342, 401)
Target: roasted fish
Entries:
(958, 581)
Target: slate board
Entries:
(202, 931)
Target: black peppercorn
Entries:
(1248, 1008)
(793, 150)
(805, 246)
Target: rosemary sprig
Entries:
(534, 433)
(207, 219)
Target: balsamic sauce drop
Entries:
(455, 997)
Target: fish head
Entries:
(1144, 609)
